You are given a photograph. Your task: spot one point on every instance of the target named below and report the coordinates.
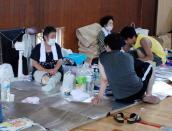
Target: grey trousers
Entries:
(44, 78)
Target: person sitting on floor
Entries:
(117, 70)
(47, 60)
(147, 48)
(107, 27)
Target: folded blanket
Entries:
(88, 34)
(80, 44)
(91, 51)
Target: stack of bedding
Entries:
(87, 37)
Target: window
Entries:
(60, 36)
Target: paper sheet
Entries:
(162, 89)
(163, 72)
(31, 100)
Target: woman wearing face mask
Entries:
(47, 60)
(107, 27)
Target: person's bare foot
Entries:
(151, 99)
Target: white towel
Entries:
(43, 52)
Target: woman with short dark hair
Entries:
(107, 27)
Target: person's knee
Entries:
(41, 77)
(58, 76)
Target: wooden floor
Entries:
(159, 114)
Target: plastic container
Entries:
(96, 74)
(166, 51)
(5, 90)
(1, 114)
(90, 85)
(68, 83)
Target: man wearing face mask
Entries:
(47, 60)
(107, 27)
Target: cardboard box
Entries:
(166, 40)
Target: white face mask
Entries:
(109, 28)
(51, 42)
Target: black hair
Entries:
(104, 20)
(128, 32)
(48, 30)
(114, 41)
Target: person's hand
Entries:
(53, 71)
(96, 100)
(49, 71)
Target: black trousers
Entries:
(144, 71)
(156, 58)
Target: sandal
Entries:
(133, 118)
(119, 117)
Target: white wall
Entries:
(164, 17)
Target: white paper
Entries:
(162, 89)
(31, 100)
(79, 95)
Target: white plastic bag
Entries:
(6, 72)
(68, 83)
(142, 31)
(79, 95)
(66, 52)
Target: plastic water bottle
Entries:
(1, 114)
(5, 90)
(166, 52)
(90, 85)
(96, 74)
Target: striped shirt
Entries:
(100, 38)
